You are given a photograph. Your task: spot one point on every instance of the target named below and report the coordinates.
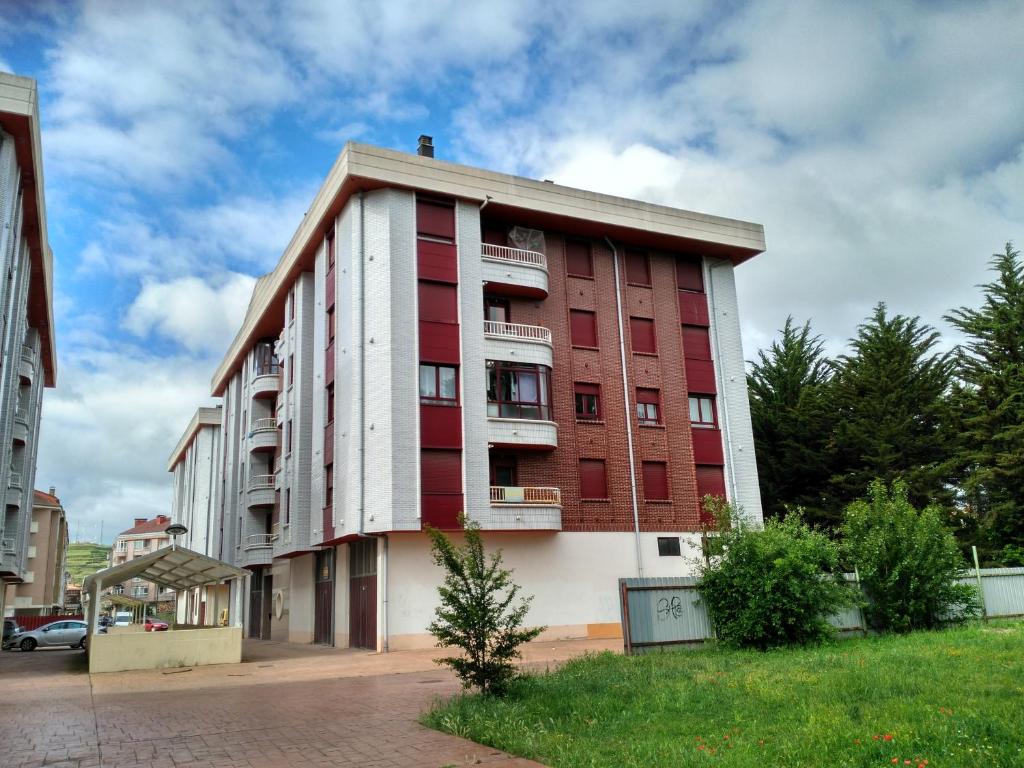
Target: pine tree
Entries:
(891, 401)
(991, 367)
(787, 385)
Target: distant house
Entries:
(42, 591)
(142, 538)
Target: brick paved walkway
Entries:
(284, 708)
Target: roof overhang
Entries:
(201, 418)
(19, 117)
(172, 567)
(361, 167)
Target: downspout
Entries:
(629, 415)
(723, 408)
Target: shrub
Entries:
(479, 612)
(908, 562)
(775, 586)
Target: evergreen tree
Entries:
(788, 409)
(891, 401)
(991, 367)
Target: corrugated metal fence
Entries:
(668, 611)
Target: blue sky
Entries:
(880, 144)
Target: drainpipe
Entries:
(629, 416)
(723, 408)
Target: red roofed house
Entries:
(142, 538)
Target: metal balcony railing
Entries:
(261, 482)
(518, 255)
(258, 541)
(517, 331)
(264, 425)
(278, 464)
(21, 415)
(275, 531)
(27, 353)
(267, 369)
(15, 480)
(504, 494)
(6, 545)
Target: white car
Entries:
(56, 633)
(122, 619)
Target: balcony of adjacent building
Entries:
(27, 364)
(14, 493)
(518, 342)
(259, 489)
(9, 567)
(514, 271)
(264, 435)
(20, 431)
(515, 503)
(266, 371)
(519, 413)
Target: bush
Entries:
(478, 612)
(908, 562)
(775, 586)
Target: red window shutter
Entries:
(688, 275)
(587, 389)
(438, 302)
(578, 259)
(638, 268)
(495, 236)
(435, 219)
(696, 343)
(655, 480)
(647, 396)
(710, 480)
(440, 471)
(641, 332)
(593, 481)
(583, 328)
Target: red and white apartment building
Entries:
(560, 366)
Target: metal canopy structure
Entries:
(172, 567)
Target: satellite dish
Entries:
(175, 529)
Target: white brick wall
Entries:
(500, 271)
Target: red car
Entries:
(152, 625)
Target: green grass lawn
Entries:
(951, 698)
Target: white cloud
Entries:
(198, 315)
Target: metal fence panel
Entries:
(1003, 591)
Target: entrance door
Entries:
(362, 627)
(323, 616)
(268, 605)
(255, 603)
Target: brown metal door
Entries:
(363, 594)
(268, 606)
(202, 613)
(323, 614)
(255, 604)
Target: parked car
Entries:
(56, 633)
(11, 633)
(122, 618)
(155, 625)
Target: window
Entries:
(688, 275)
(440, 472)
(503, 471)
(588, 401)
(291, 369)
(655, 475)
(288, 437)
(696, 343)
(329, 404)
(438, 385)
(330, 326)
(497, 310)
(330, 249)
(710, 480)
(638, 268)
(291, 304)
(122, 545)
(583, 328)
(641, 334)
(668, 546)
(593, 481)
(140, 591)
(702, 411)
(435, 220)
(518, 391)
(287, 505)
(264, 360)
(140, 544)
(438, 302)
(647, 406)
(495, 236)
(329, 485)
(578, 258)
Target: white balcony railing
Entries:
(260, 482)
(517, 331)
(518, 255)
(278, 464)
(264, 425)
(258, 541)
(15, 480)
(6, 545)
(502, 494)
(21, 415)
(275, 531)
(27, 353)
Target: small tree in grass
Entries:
(479, 612)
(773, 586)
(908, 561)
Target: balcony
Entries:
(263, 435)
(523, 508)
(525, 434)
(260, 491)
(7, 546)
(259, 541)
(517, 343)
(20, 431)
(515, 271)
(27, 363)
(267, 381)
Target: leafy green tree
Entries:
(991, 367)
(892, 409)
(908, 561)
(774, 586)
(479, 612)
(788, 389)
